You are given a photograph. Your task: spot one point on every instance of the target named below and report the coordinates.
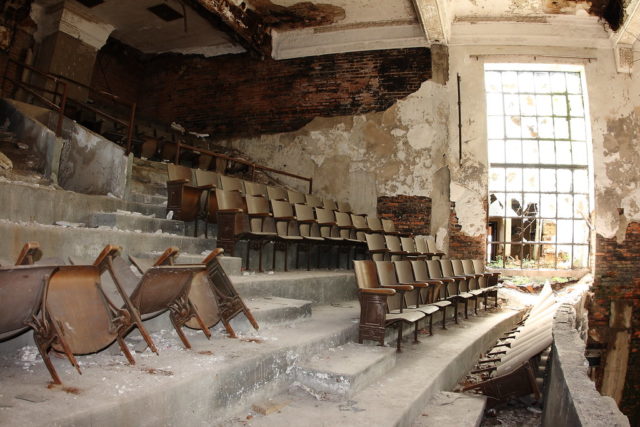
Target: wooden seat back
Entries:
(307, 221)
(404, 273)
(327, 222)
(277, 193)
(259, 214)
(435, 272)
(375, 242)
(21, 292)
(229, 183)
(344, 224)
(345, 207)
(285, 219)
(393, 243)
(408, 244)
(296, 197)
(76, 303)
(388, 226)
(431, 243)
(375, 225)
(447, 270)
(313, 201)
(176, 172)
(330, 204)
(204, 177)
(458, 270)
(228, 200)
(160, 286)
(387, 277)
(255, 189)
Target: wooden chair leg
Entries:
(415, 333)
(444, 317)
(399, 340)
(431, 325)
(125, 350)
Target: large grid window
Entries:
(539, 181)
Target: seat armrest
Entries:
(178, 181)
(446, 279)
(434, 282)
(399, 287)
(377, 291)
(205, 187)
(284, 218)
(231, 210)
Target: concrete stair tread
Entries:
(399, 398)
(135, 221)
(231, 265)
(453, 409)
(346, 369)
(216, 379)
(150, 199)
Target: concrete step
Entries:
(401, 395)
(123, 220)
(271, 311)
(89, 242)
(159, 211)
(453, 409)
(203, 386)
(320, 287)
(152, 199)
(153, 188)
(343, 371)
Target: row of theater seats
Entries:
(262, 214)
(74, 312)
(393, 293)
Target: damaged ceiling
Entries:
(289, 28)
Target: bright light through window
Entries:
(539, 179)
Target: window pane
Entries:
(579, 152)
(564, 231)
(575, 106)
(543, 105)
(559, 105)
(496, 151)
(513, 126)
(581, 206)
(510, 81)
(493, 82)
(564, 256)
(497, 204)
(580, 232)
(514, 179)
(542, 83)
(580, 181)
(565, 206)
(531, 179)
(573, 83)
(525, 81)
(532, 203)
(563, 152)
(580, 256)
(547, 152)
(514, 205)
(495, 127)
(561, 128)
(548, 205)
(547, 180)
(528, 105)
(564, 180)
(529, 127)
(545, 127)
(558, 82)
(530, 151)
(496, 179)
(494, 104)
(549, 231)
(512, 105)
(577, 130)
(514, 151)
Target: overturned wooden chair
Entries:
(381, 308)
(212, 292)
(76, 318)
(161, 288)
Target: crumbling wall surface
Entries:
(240, 96)
(571, 398)
(361, 157)
(91, 164)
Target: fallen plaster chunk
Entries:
(269, 406)
(70, 224)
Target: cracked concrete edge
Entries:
(571, 397)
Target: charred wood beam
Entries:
(247, 24)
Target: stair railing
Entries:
(60, 89)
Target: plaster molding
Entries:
(435, 19)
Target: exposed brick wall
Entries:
(617, 277)
(119, 69)
(461, 245)
(237, 95)
(409, 213)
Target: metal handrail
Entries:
(31, 89)
(130, 104)
(252, 165)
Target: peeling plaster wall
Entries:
(359, 158)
